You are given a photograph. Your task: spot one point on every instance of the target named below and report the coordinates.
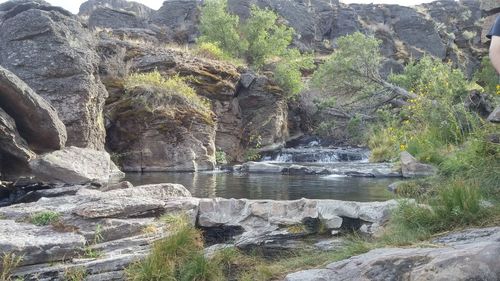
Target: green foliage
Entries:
(258, 40)
(383, 143)
(265, 36)
(252, 153)
(432, 79)
(44, 218)
(210, 50)
(9, 262)
(487, 77)
(220, 157)
(350, 71)
(287, 73)
(221, 28)
(159, 93)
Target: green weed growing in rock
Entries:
(45, 218)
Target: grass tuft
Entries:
(45, 218)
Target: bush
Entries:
(266, 37)
(287, 73)
(221, 28)
(44, 218)
(383, 143)
(487, 77)
(210, 51)
(8, 263)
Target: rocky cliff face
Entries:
(50, 50)
(448, 30)
(245, 106)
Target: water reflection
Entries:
(272, 186)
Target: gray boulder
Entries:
(411, 168)
(140, 10)
(36, 120)
(74, 165)
(494, 117)
(50, 49)
(111, 18)
(472, 259)
(38, 244)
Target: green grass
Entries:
(177, 257)
(10, 261)
(44, 218)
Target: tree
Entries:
(219, 27)
(352, 74)
(266, 37)
(287, 73)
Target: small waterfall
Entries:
(318, 155)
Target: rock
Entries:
(411, 168)
(475, 259)
(177, 137)
(140, 10)
(180, 16)
(264, 112)
(393, 187)
(494, 117)
(103, 17)
(120, 185)
(119, 208)
(36, 120)
(261, 167)
(330, 244)
(211, 251)
(269, 223)
(479, 103)
(161, 191)
(73, 165)
(38, 244)
(12, 146)
(52, 52)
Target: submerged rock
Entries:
(73, 165)
(411, 168)
(260, 167)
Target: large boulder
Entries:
(411, 168)
(473, 258)
(140, 10)
(50, 49)
(104, 17)
(74, 165)
(36, 120)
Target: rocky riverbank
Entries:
(104, 231)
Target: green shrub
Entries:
(220, 157)
(210, 50)
(383, 143)
(221, 28)
(287, 73)
(44, 218)
(487, 77)
(266, 37)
